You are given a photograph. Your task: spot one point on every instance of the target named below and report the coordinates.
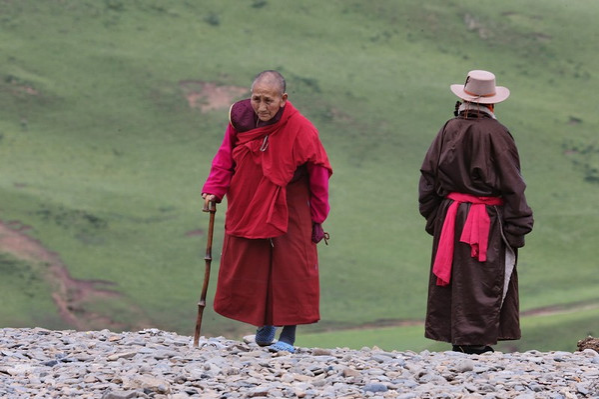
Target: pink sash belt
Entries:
(475, 233)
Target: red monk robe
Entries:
(275, 178)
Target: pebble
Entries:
(40, 363)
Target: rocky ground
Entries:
(38, 363)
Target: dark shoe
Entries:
(472, 349)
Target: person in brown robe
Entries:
(274, 171)
(471, 193)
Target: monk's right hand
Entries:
(208, 198)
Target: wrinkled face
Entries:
(266, 100)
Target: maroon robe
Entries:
(476, 156)
(269, 266)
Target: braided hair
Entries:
(457, 107)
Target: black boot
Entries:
(472, 349)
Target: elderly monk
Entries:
(274, 171)
(471, 193)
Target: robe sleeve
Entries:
(319, 192)
(309, 149)
(428, 199)
(222, 168)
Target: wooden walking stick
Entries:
(209, 206)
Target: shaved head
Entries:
(271, 78)
(268, 94)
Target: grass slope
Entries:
(103, 157)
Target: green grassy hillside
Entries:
(111, 111)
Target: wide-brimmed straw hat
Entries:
(480, 88)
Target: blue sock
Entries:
(265, 335)
(288, 335)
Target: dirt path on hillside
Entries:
(71, 296)
(543, 311)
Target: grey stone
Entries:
(40, 363)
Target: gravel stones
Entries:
(39, 363)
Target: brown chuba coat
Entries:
(478, 156)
